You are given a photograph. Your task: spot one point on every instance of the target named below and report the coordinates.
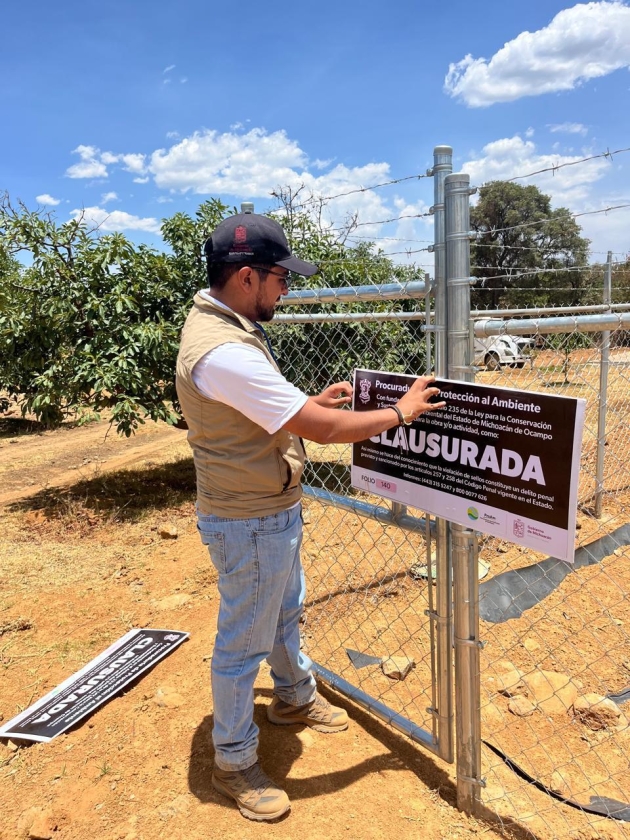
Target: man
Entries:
(245, 425)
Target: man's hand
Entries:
(340, 393)
(315, 422)
(418, 398)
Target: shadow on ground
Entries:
(328, 475)
(127, 495)
(19, 426)
(280, 747)
(122, 496)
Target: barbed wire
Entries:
(493, 230)
(623, 254)
(351, 236)
(407, 252)
(608, 154)
(536, 248)
(318, 199)
(566, 289)
(384, 221)
(532, 272)
(547, 221)
(555, 167)
(387, 238)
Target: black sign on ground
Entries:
(102, 678)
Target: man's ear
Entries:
(244, 278)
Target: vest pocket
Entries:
(289, 477)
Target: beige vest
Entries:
(242, 470)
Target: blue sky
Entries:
(131, 111)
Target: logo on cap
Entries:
(240, 234)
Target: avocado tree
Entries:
(90, 323)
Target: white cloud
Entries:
(569, 128)
(109, 196)
(44, 198)
(172, 135)
(94, 163)
(183, 80)
(164, 199)
(255, 164)
(511, 156)
(169, 68)
(134, 163)
(244, 164)
(116, 221)
(607, 231)
(584, 42)
(89, 167)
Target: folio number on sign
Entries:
(379, 483)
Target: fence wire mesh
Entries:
(555, 671)
(555, 668)
(369, 583)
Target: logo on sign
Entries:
(518, 528)
(364, 390)
(473, 513)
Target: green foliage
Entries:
(91, 323)
(314, 355)
(517, 231)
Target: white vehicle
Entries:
(498, 350)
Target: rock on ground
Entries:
(551, 692)
(521, 706)
(597, 712)
(397, 667)
(506, 679)
(37, 823)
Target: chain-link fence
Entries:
(542, 661)
(556, 637)
(555, 670)
(370, 612)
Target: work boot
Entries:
(257, 797)
(318, 714)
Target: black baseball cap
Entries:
(250, 237)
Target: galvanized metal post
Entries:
(442, 166)
(463, 540)
(603, 395)
(427, 333)
(443, 617)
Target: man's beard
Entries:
(264, 313)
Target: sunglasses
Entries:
(287, 278)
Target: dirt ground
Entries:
(83, 561)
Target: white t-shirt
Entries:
(242, 377)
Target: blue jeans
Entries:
(261, 583)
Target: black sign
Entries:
(89, 688)
(498, 450)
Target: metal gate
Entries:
(373, 605)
